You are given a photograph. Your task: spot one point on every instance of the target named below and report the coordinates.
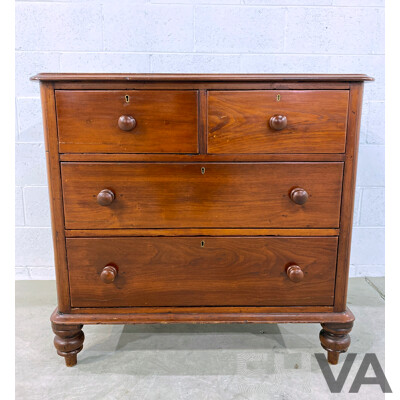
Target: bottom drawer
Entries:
(202, 271)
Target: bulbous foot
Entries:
(335, 339)
(68, 341)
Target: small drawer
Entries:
(209, 195)
(207, 271)
(277, 121)
(132, 121)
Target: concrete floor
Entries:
(196, 362)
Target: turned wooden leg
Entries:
(335, 339)
(68, 341)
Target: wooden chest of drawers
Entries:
(201, 199)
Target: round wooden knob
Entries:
(298, 196)
(294, 273)
(105, 197)
(108, 274)
(278, 122)
(126, 122)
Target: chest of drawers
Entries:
(201, 199)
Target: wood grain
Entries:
(166, 121)
(180, 245)
(181, 272)
(202, 310)
(55, 194)
(180, 196)
(74, 77)
(239, 121)
(203, 121)
(203, 317)
(335, 339)
(68, 341)
(349, 187)
(199, 85)
(200, 232)
(201, 157)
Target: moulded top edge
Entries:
(201, 77)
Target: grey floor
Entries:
(193, 362)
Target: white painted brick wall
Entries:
(326, 36)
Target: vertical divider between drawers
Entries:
(202, 121)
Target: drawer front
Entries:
(178, 271)
(311, 121)
(163, 121)
(209, 195)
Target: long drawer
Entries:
(201, 271)
(273, 121)
(209, 195)
(132, 121)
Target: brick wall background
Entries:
(325, 36)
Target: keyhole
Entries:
(127, 98)
(202, 243)
(203, 170)
(278, 97)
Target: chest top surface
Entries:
(201, 77)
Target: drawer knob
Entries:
(105, 197)
(126, 123)
(108, 274)
(299, 196)
(278, 122)
(294, 273)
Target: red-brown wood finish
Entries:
(108, 274)
(335, 339)
(198, 85)
(270, 121)
(201, 157)
(205, 271)
(55, 194)
(202, 232)
(131, 121)
(349, 188)
(209, 198)
(68, 341)
(203, 315)
(211, 310)
(295, 273)
(179, 78)
(205, 196)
